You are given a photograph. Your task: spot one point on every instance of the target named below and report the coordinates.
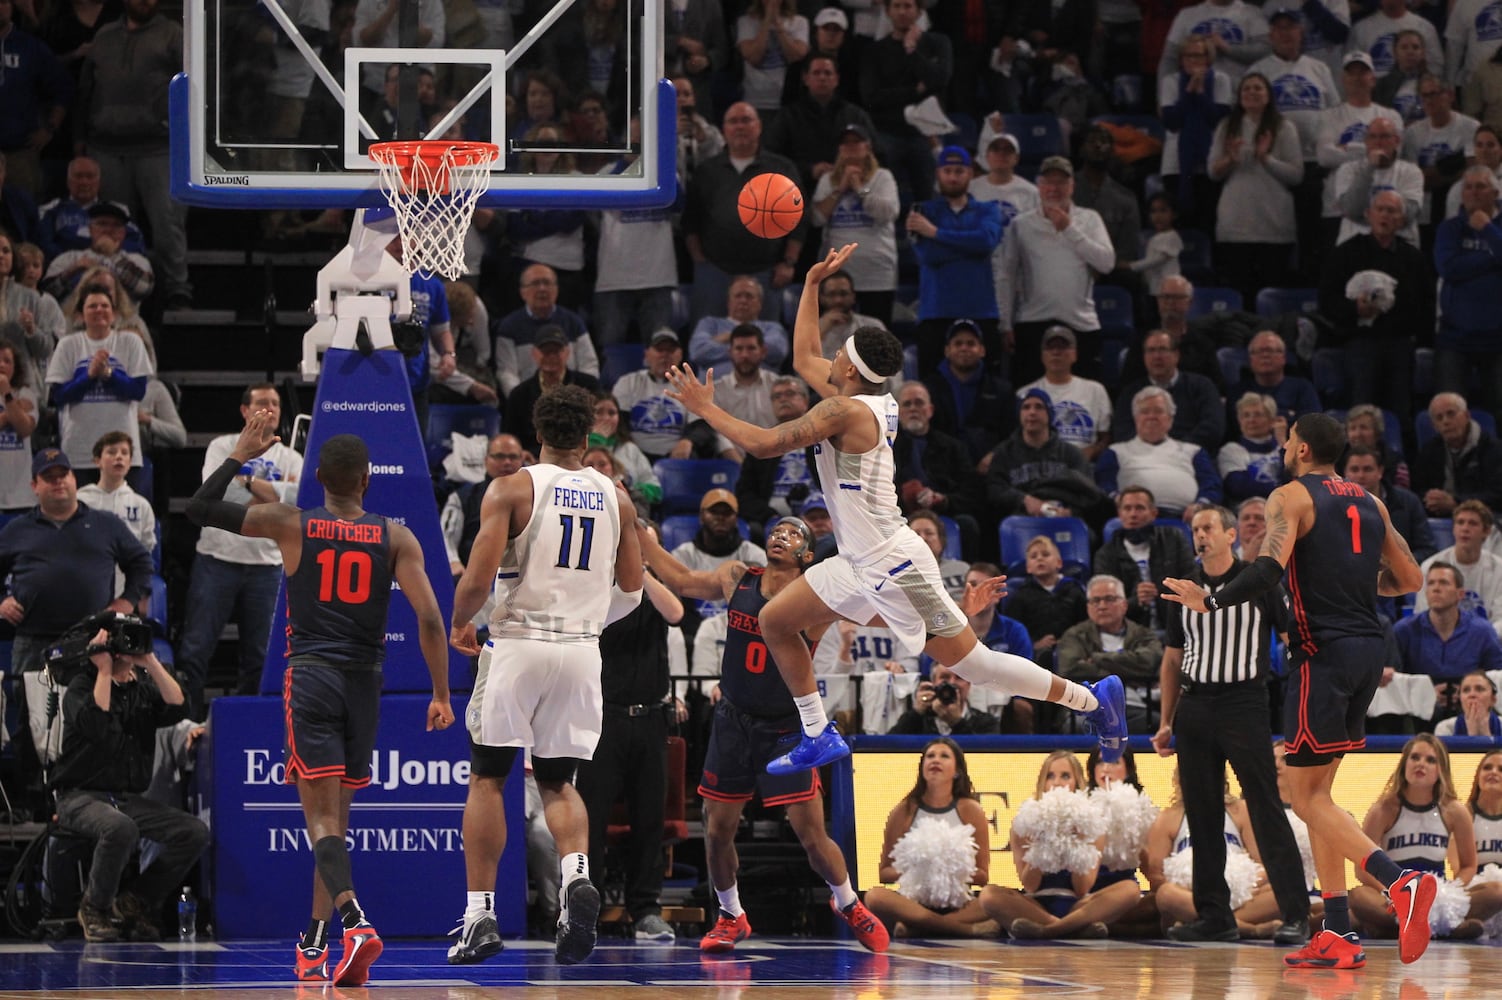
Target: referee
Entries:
(1215, 707)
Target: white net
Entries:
(433, 187)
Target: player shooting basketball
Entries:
(884, 571)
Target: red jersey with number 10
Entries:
(748, 674)
(1332, 574)
(337, 599)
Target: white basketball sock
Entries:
(844, 895)
(1013, 674)
(572, 866)
(811, 713)
(478, 903)
(730, 900)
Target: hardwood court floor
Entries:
(761, 969)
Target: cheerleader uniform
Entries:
(1488, 839)
(1233, 835)
(1418, 838)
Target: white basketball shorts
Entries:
(538, 694)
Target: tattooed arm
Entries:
(1290, 515)
(829, 418)
(1401, 573)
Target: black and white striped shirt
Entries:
(1227, 645)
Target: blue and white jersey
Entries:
(1418, 838)
(859, 488)
(1181, 839)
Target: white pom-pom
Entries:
(1490, 873)
(1062, 828)
(1129, 815)
(1306, 851)
(1451, 904)
(934, 862)
(1242, 873)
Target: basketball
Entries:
(771, 205)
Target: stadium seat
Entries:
(1423, 427)
(1039, 136)
(1194, 259)
(1232, 361)
(790, 296)
(620, 359)
(1278, 301)
(1213, 300)
(1069, 533)
(445, 419)
(680, 528)
(1328, 368)
(1423, 372)
(156, 610)
(680, 306)
(966, 133)
(952, 547)
(686, 480)
(1443, 531)
(1113, 306)
(1115, 343)
(910, 362)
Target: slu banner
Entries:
(368, 396)
(404, 834)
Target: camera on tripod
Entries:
(125, 635)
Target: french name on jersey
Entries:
(742, 622)
(345, 531)
(563, 496)
(1343, 488)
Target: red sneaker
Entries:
(312, 964)
(869, 931)
(362, 946)
(725, 933)
(1412, 895)
(1329, 950)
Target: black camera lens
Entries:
(947, 693)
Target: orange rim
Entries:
(438, 154)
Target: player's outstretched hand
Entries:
(464, 640)
(259, 434)
(440, 714)
(980, 596)
(695, 396)
(831, 263)
(1185, 592)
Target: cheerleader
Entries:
(1419, 821)
(1134, 823)
(931, 901)
(1056, 904)
(1168, 872)
(1485, 806)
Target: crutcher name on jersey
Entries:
(578, 499)
(345, 531)
(1343, 488)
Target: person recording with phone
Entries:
(117, 695)
(941, 707)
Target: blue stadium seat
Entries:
(1443, 532)
(952, 547)
(1115, 343)
(680, 528)
(1232, 361)
(1213, 300)
(1069, 533)
(163, 650)
(966, 132)
(1113, 306)
(1277, 301)
(156, 610)
(620, 359)
(445, 419)
(686, 480)
(1423, 427)
(1039, 136)
(680, 305)
(1423, 372)
(1194, 259)
(910, 362)
(1328, 368)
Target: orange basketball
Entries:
(770, 205)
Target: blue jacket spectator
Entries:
(1442, 642)
(64, 222)
(1468, 258)
(35, 91)
(1268, 356)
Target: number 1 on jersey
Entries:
(586, 538)
(1355, 516)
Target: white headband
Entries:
(860, 366)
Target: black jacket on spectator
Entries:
(62, 573)
(993, 414)
(1169, 555)
(757, 483)
(808, 132)
(1055, 471)
(1197, 349)
(1478, 470)
(946, 467)
(973, 723)
(1412, 313)
(1199, 416)
(111, 751)
(890, 76)
(1043, 612)
(518, 418)
(1410, 519)
(710, 213)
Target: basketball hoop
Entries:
(433, 186)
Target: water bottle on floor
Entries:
(187, 915)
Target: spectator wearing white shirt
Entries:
(1486, 147)
(1342, 135)
(856, 202)
(1439, 142)
(1180, 475)
(636, 268)
(1049, 261)
(746, 390)
(1472, 35)
(1399, 89)
(710, 344)
(1326, 28)
(1376, 34)
(1081, 407)
(1380, 170)
(1472, 523)
(1236, 29)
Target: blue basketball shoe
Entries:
(816, 751)
(1108, 720)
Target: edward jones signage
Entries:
(405, 827)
